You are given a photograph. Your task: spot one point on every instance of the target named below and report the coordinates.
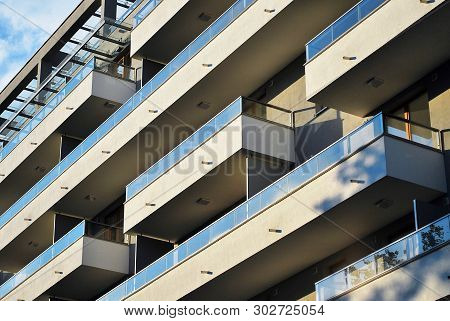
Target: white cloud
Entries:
(48, 14)
(9, 73)
(24, 27)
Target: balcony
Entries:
(162, 28)
(337, 184)
(95, 90)
(170, 190)
(341, 26)
(375, 51)
(104, 151)
(91, 254)
(107, 39)
(245, 38)
(412, 268)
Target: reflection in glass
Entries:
(341, 26)
(426, 239)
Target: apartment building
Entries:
(230, 150)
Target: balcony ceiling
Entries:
(402, 62)
(179, 31)
(265, 54)
(308, 245)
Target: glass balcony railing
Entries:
(116, 70)
(103, 40)
(43, 112)
(445, 137)
(129, 11)
(350, 19)
(241, 106)
(145, 11)
(337, 152)
(274, 192)
(97, 64)
(409, 247)
(85, 228)
(414, 132)
(158, 80)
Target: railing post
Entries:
(349, 149)
(347, 283)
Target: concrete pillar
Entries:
(109, 9)
(44, 69)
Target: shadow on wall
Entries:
(281, 83)
(438, 81)
(368, 165)
(318, 134)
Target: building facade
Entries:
(230, 150)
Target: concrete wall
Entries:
(287, 89)
(314, 134)
(289, 215)
(438, 89)
(267, 138)
(425, 279)
(215, 52)
(111, 88)
(402, 157)
(252, 237)
(105, 255)
(375, 32)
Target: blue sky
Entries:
(22, 33)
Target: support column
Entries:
(109, 9)
(44, 69)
